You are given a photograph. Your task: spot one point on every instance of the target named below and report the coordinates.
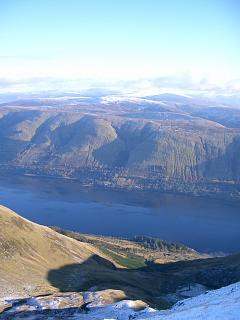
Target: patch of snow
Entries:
(221, 304)
(63, 98)
(190, 291)
(130, 99)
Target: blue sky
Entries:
(127, 39)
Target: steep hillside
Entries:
(136, 252)
(112, 148)
(36, 260)
(29, 251)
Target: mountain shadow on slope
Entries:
(151, 283)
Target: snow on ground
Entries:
(190, 291)
(63, 98)
(130, 99)
(221, 304)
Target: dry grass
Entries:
(29, 251)
(37, 260)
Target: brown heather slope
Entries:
(29, 251)
(36, 260)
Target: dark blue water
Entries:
(204, 224)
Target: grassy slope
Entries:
(37, 260)
(137, 252)
(29, 251)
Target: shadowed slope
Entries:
(29, 250)
(37, 260)
(151, 284)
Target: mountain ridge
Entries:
(120, 146)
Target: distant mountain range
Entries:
(165, 142)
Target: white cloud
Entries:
(20, 74)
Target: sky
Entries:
(119, 40)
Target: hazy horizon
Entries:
(182, 45)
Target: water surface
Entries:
(207, 225)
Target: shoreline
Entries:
(94, 185)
